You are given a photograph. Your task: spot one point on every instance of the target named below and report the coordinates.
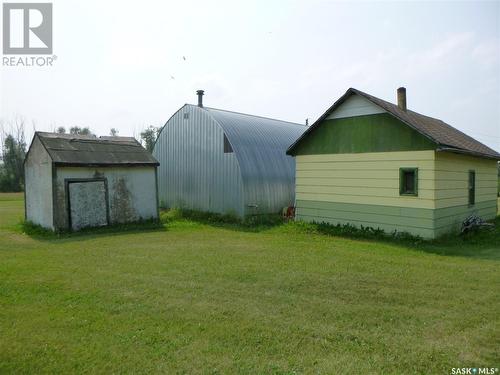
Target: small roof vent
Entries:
(200, 98)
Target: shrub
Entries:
(252, 221)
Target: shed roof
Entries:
(445, 136)
(82, 150)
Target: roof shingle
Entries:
(82, 150)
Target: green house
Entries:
(371, 163)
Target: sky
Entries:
(130, 64)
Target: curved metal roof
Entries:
(190, 148)
(260, 146)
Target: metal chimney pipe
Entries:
(200, 97)
(402, 98)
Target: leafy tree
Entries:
(61, 130)
(13, 153)
(113, 132)
(148, 137)
(86, 131)
(76, 130)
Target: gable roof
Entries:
(445, 136)
(84, 150)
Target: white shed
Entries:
(74, 181)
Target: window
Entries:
(408, 181)
(186, 116)
(472, 187)
(227, 146)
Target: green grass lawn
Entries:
(197, 298)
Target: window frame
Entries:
(227, 147)
(471, 187)
(402, 191)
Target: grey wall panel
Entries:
(194, 171)
(131, 192)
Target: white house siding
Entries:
(355, 105)
(38, 186)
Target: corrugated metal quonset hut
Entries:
(74, 181)
(368, 162)
(225, 162)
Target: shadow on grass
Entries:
(254, 224)
(10, 197)
(40, 233)
(481, 244)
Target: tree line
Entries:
(14, 149)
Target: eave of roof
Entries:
(72, 164)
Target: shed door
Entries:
(87, 204)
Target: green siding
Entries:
(450, 219)
(418, 221)
(367, 208)
(424, 222)
(371, 133)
